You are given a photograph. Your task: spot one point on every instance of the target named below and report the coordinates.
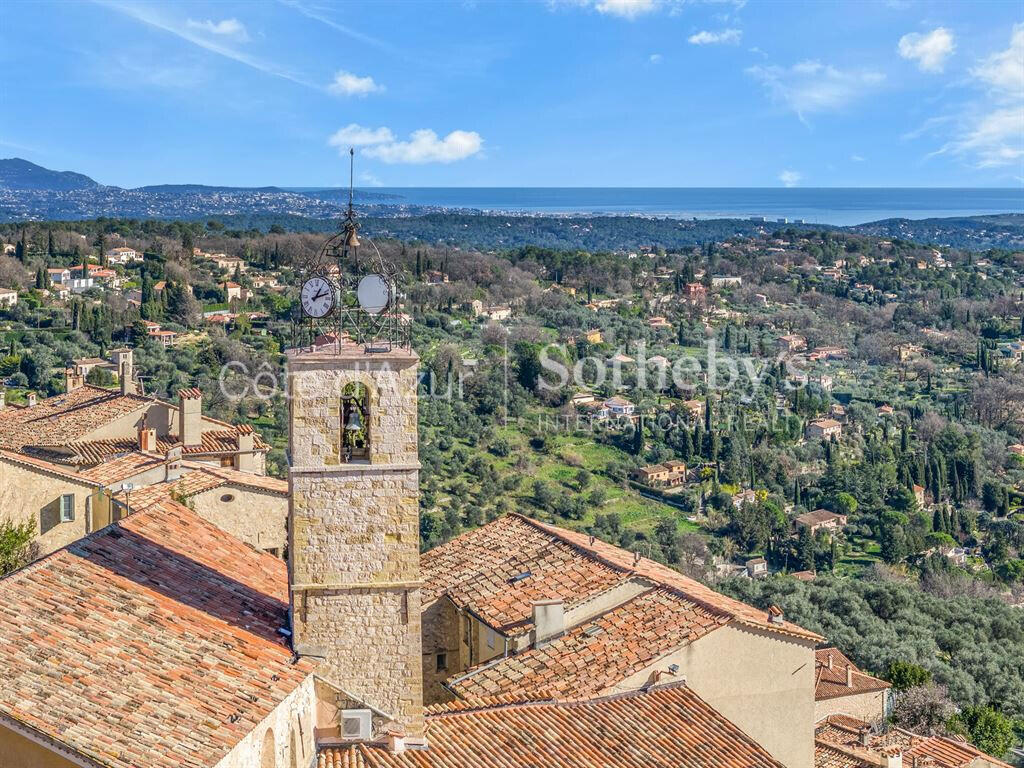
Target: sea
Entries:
(830, 205)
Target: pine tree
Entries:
(638, 438)
(51, 250)
(42, 278)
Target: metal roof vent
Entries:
(593, 630)
(519, 577)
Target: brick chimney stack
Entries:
(147, 438)
(190, 416)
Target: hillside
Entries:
(19, 174)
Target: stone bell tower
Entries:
(353, 527)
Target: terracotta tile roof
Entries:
(831, 683)
(66, 418)
(198, 479)
(478, 551)
(44, 466)
(139, 644)
(89, 452)
(831, 756)
(596, 655)
(213, 441)
(123, 467)
(665, 726)
(842, 733)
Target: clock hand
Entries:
(319, 296)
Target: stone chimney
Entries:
(830, 661)
(31, 397)
(548, 621)
(173, 465)
(245, 441)
(190, 416)
(126, 376)
(72, 380)
(3, 399)
(849, 676)
(893, 756)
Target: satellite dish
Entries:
(374, 294)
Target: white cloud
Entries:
(730, 36)
(232, 28)
(369, 178)
(1003, 71)
(153, 16)
(423, 146)
(355, 135)
(790, 178)
(810, 86)
(930, 51)
(627, 9)
(990, 133)
(347, 84)
(654, 58)
(856, 158)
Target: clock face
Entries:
(318, 297)
(374, 294)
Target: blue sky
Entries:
(559, 93)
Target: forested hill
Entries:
(19, 174)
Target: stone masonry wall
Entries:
(354, 531)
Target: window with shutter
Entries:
(67, 508)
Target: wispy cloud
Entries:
(790, 178)
(369, 178)
(150, 15)
(422, 146)
(347, 84)
(990, 132)
(317, 15)
(232, 28)
(725, 36)
(654, 58)
(856, 158)
(930, 51)
(811, 87)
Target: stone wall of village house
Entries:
(17, 751)
(443, 630)
(870, 707)
(760, 680)
(258, 518)
(291, 741)
(32, 494)
(354, 532)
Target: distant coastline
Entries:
(835, 206)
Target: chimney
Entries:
(830, 661)
(548, 621)
(775, 615)
(147, 438)
(31, 397)
(864, 736)
(173, 465)
(126, 376)
(72, 380)
(245, 442)
(849, 676)
(190, 416)
(893, 756)
(3, 399)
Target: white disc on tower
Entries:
(374, 294)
